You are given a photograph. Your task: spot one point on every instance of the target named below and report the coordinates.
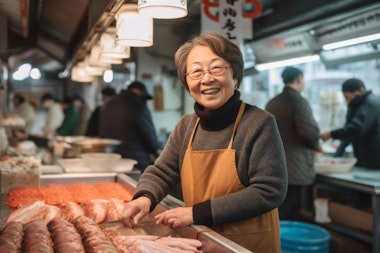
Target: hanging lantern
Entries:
(79, 74)
(111, 49)
(95, 57)
(133, 29)
(163, 9)
(95, 69)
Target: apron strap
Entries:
(189, 146)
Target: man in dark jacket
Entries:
(362, 126)
(93, 122)
(126, 117)
(300, 134)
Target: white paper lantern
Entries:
(95, 57)
(163, 9)
(79, 74)
(95, 69)
(110, 48)
(133, 29)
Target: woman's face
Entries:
(210, 91)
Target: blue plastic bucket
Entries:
(300, 237)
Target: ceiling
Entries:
(305, 33)
(43, 32)
(52, 34)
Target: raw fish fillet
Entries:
(28, 213)
(96, 209)
(71, 210)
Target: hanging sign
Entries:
(231, 18)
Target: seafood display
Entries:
(88, 221)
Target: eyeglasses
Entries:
(214, 71)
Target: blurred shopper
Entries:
(84, 113)
(300, 135)
(362, 126)
(54, 116)
(93, 123)
(126, 117)
(71, 119)
(24, 107)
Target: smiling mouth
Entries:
(210, 91)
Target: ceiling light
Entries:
(163, 9)
(133, 29)
(79, 74)
(350, 42)
(293, 61)
(111, 49)
(108, 76)
(95, 69)
(35, 73)
(96, 59)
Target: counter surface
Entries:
(362, 180)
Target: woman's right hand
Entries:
(135, 210)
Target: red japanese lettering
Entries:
(257, 9)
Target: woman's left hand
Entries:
(177, 217)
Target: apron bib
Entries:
(209, 174)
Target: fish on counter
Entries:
(11, 237)
(93, 237)
(65, 236)
(37, 237)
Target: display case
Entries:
(212, 242)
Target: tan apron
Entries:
(209, 174)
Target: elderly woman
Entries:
(228, 155)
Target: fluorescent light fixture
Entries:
(350, 42)
(293, 61)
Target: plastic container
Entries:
(300, 237)
(327, 164)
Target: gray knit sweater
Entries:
(260, 163)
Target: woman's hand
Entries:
(135, 210)
(177, 217)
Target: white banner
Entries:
(231, 18)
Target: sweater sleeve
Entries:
(161, 177)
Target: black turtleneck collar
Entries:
(221, 117)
